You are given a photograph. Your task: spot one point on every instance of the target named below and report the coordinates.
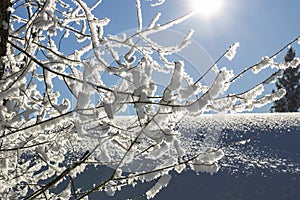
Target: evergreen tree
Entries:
(290, 81)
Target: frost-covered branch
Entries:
(73, 96)
(265, 60)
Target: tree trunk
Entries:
(4, 23)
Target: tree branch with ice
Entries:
(59, 114)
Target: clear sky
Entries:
(261, 26)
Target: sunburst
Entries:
(207, 8)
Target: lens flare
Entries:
(207, 8)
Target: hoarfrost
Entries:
(154, 21)
(157, 3)
(162, 182)
(58, 114)
(200, 167)
(266, 61)
(232, 51)
(180, 168)
(139, 15)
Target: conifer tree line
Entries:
(290, 81)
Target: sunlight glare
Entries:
(207, 8)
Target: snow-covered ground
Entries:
(262, 160)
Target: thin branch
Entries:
(216, 62)
(37, 193)
(272, 56)
(59, 73)
(23, 147)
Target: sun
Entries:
(207, 8)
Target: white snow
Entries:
(139, 15)
(232, 51)
(166, 133)
(265, 62)
(162, 182)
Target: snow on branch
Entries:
(139, 15)
(114, 100)
(232, 51)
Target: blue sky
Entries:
(262, 27)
